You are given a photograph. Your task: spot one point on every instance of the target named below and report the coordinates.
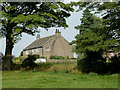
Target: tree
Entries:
(19, 17)
(93, 40)
(109, 12)
(97, 35)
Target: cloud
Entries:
(68, 1)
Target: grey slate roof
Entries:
(39, 43)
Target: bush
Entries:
(114, 64)
(57, 57)
(17, 60)
(92, 62)
(42, 57)
(67, 57)
(73, 58)
(17, 67)
(28, 63)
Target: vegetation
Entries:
(97, 35)
(57, 57)
(29, 63)
(26, 17)
(114, 64)
(17, 60)
(61, 57)
(18, 79)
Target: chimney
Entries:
(38, 36)
(57, 32)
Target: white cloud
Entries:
(68, 1)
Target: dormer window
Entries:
(47, 48)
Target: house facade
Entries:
(50, 46)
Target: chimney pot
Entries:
(58, 33)
(38, 36)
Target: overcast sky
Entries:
(68, 33)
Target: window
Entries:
(37, 50)
(47, 48)
(27, 52)
(33, 50)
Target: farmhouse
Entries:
(49, 46)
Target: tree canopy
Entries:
(98, 33)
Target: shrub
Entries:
(28, 63)
(17, 60)
(67, 57)
(114, 64)
(42, 57)
(17, 67)
(52, 57)
(73, 58)
(92, 62)
(57, 57)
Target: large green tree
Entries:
(97, 35)
(19, 17)
(93, 34)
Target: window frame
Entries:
(47, 48)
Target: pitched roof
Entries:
(39, 43)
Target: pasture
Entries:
(50, 79)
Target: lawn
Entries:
(18, 79)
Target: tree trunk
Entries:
(7, 62)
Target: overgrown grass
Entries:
(18, 79)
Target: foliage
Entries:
(17, 67)
(92, 36)
(114, 64)
(92, 62)
(17, 60)
(97, 35)
(41, 57)
(28, 63)
(67, 57)
(73, 58)
(26, 17)
(57, 57)
(21, 53)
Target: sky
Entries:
(68, 33)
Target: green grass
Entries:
(17, 79)
(0, 80)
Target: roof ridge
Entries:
(45, 37)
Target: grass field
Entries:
(17, 79)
